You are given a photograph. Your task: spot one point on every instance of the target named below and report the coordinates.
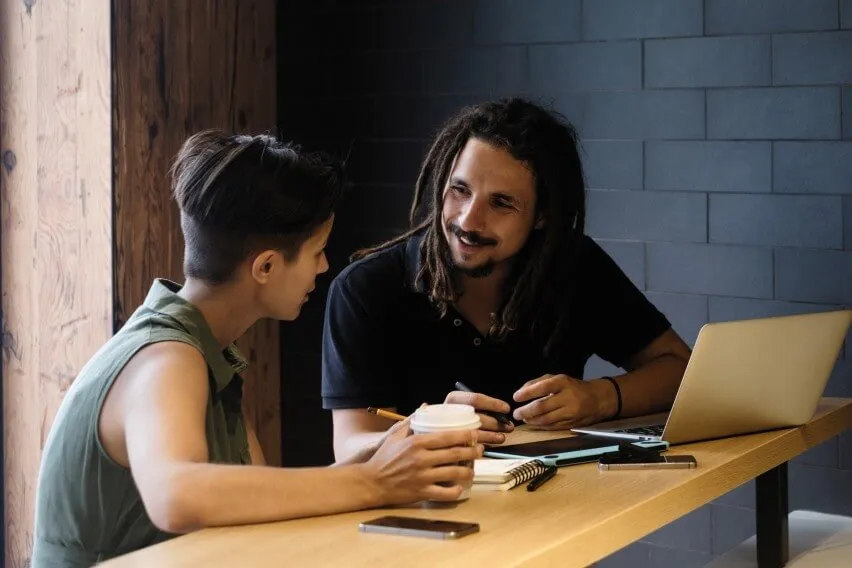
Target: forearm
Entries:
(646, 390)
(357, 447)
(208, 495)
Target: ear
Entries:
(540, 223)
(262, 265)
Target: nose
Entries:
(472, 215)
(323, 265)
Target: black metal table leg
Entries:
(773, 543)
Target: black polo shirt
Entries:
(384, 343)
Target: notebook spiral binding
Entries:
(525, 472)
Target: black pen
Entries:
(542, 478)
(501, 418)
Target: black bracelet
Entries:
(617, 397)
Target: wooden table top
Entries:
(578, 517)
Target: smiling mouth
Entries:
(468, 245)
(469, 240)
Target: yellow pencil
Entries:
(386, 413)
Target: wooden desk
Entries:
(577, 518)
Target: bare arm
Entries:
(357, 433)
(653, 376)
(649, 386)
(182, 492)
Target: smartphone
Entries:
(615, 461)
(415, 526)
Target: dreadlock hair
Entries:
(543, 278)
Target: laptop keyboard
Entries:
(655, 430)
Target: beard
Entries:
(481, 271)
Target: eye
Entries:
(503, 203)
(460, 189)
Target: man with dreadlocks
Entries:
(497, 286)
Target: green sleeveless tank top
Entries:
(87, 506)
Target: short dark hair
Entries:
(544, 279)
(240, 194)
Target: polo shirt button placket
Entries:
(477, 341)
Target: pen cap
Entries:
(444, 417)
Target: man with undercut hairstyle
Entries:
(151, 440)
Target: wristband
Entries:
(617, 397)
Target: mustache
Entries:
(470, 236)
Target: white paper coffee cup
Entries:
(445, 418)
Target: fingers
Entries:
(448, 474)
(492, 423)
(442, 493)
(549, 418)
(487, 437)
(399, 430)
(447, 482)
(539, 388)
(537, 408)
(438, 440)
(451, 456)
(479, 401)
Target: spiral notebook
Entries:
(504, 474)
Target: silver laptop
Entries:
(743, 377)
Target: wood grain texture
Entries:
(180, 67)
(56, 252)
(579, 517)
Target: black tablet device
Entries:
(561, 451)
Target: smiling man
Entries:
(497, 287)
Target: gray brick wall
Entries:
(613, 164)
(619, 19)
(708, 166)
(635, 115)
(718, 147)
(821, 58)
(847, 112)
(812, 167)
(730, 61)
(585, 66)
(777, 113)
(723, 17)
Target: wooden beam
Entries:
(76, 119)
(56, 250)
(180, 67)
